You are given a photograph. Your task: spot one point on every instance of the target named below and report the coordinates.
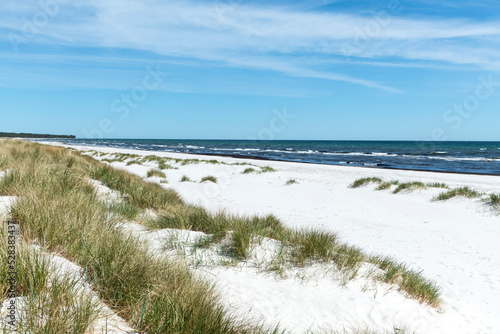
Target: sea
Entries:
(459, 157)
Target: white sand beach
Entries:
(453, 242)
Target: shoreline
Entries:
(257, 158)
(235, 156)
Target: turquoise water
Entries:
(462, 157)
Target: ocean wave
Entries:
(195, 147)
(452, 158)
(382, 154)
(372, 154)
(279, 151)
(248, 149)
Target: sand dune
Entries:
(453, 242)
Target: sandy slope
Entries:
(454, 242)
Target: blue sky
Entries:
(408, 70)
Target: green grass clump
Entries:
(290, 182)
(156, 172)
(267, 169)
(249, 171)
(185, 179)
(209, 178)
(246, 229)
(409, 186)
(384, 186)
(461, 192)
(134, 162)
(124, 156)
(151, 158)
(185, 162)
(310, 245)
(494, 200)
(124, 209)
(241, 239)
(410, 282)
(387, 185)
(361, 182)
(438, 185)
(193, 218)
(162, 165)
(241, 164)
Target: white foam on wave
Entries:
(375, 154)
(452, 158)
(248, 149)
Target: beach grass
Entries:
(131, 162)
(59, 210)
(209, 178)
(387, 185)
(156, 172)
(249, 171)
(458, 192)
(290, 182)
(466, 192)
(185, 179)
(162, 165)
(409, 281)
(299, 247)
(364, 181)
(124, 209)
(42, 293)
(494, 200)
(438, 185)
(144, 195)
(267, 169)
(409, 186)
(401, 186)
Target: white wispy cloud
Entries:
(237, 34)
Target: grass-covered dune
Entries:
(58, 208)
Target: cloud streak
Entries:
(263, 37)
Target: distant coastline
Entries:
(34, 135)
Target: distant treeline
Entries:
(32, 135)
